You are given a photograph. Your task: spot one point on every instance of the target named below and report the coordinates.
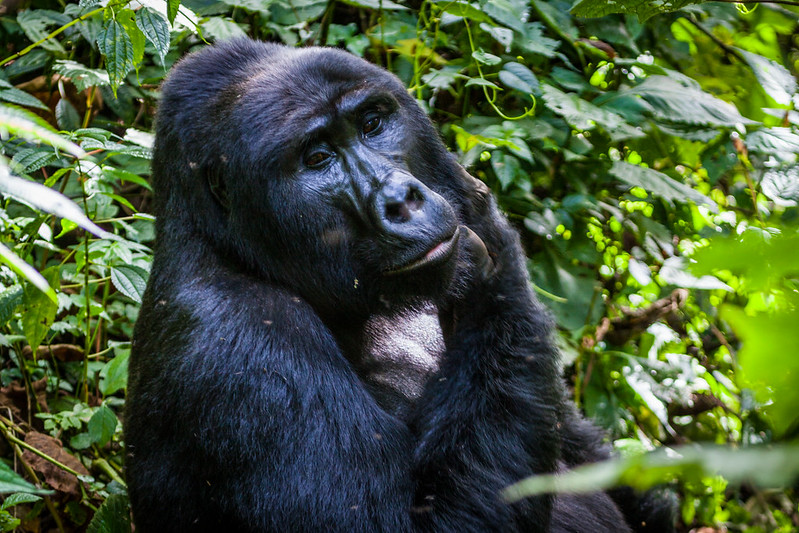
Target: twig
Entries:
(14, 439)
(50, 36)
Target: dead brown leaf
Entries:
(57, 478)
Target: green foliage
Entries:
(651, 169)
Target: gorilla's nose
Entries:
(399, 201)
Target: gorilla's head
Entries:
(312, 169)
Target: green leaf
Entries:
(46, 199)
(683, 101)
(66, 115)
(15, 96)
(116, 373)
(574, 287)
(81, 77)
(32, 128)
(643, 8)
(375, 4)
(485, 58)
(775, 79)
(124, 176)
(659, 184)
(10, 481)
(130, 280)
(31, 159)
(584, 115)
(774, 141)
(115, 44)
(155, 28)
(113, 516)
(102, 425)
(8, 522)
(777, 258)
(126, 18)
(517, 76)
(34, 23)
(782, 185)
(18, 498)
(674, 272)
(39, 309)
(172, 7)
(81, 441)
(462, 9)
(222, 29)
(482, 82)
(10, 298)
(26, 272)
(768, 361)
(767, 466)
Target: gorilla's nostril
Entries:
(400, 206)
(414, 200)
(398, 212)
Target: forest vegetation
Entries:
(647, 151)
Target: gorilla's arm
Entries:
(498, 389)
(271, 431)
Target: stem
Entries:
(50, 36)
(14, 439)
(87, 348)
(491, 98)
(102, 465)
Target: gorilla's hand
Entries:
(475, 255)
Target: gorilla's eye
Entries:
(317, 158)
(371, 124)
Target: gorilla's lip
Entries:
(439, 253)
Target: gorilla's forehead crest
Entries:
(302, 89)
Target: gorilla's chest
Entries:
(399, 354)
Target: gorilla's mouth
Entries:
(440, 253)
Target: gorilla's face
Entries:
(339, 182)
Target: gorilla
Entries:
(339, 332)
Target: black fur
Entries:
(253, 403)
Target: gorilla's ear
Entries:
(216, 184)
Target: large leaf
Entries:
(684, 102)
(10, 481)
(32, 128)
(102, 425)
(39, 310)
(584, 115)
(130, 280)
(82, 77)
(776, 80)
(774, 141)
(571, 288)
(113, 516)
(127, 18)
(765, 466)
(34, 23)
(155, 28)
(782, 185)
(11, 94)
(659, 184)
(10, 298)
(116, 373)
(768, 361)
(517, 76)
(48, 200)
(463, 9)
(115, 44)
(26, 272)
(643, 8)
(222, 29)
(375, 4)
